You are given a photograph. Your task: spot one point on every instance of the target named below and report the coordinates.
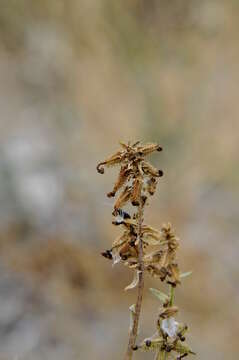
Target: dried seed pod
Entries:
(132, 263)
(156, 271)
(174, 273)
(128, 251)
(121, 240)
(150, 240)
(136, 191)
(151, 186)
(149, 169)
(111, 161)
(150, 230)
(173, 243)
(167, 230)
(149, 148)
(123, 198)
(155, 237)
(153, 257)
(164, 273)
(163, 261)
(122, 178)
(130, 224)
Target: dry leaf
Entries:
(134, 282)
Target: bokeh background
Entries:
(77, 76)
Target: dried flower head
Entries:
(135, 173)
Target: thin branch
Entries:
(134, 331)
(161, 355)
(158, 355)
(171, 295)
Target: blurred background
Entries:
(75, 78)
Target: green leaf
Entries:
(185, 274)
(159, 294)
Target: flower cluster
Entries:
(160, 263)
(144, 248)
(170, 336)
(137, 181)
(137, 176)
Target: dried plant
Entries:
(145, 249)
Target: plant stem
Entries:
(165, 357)
(171, 296)
(134, 331)
(161, 355)
(157, 356)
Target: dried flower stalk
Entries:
(137, 181)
